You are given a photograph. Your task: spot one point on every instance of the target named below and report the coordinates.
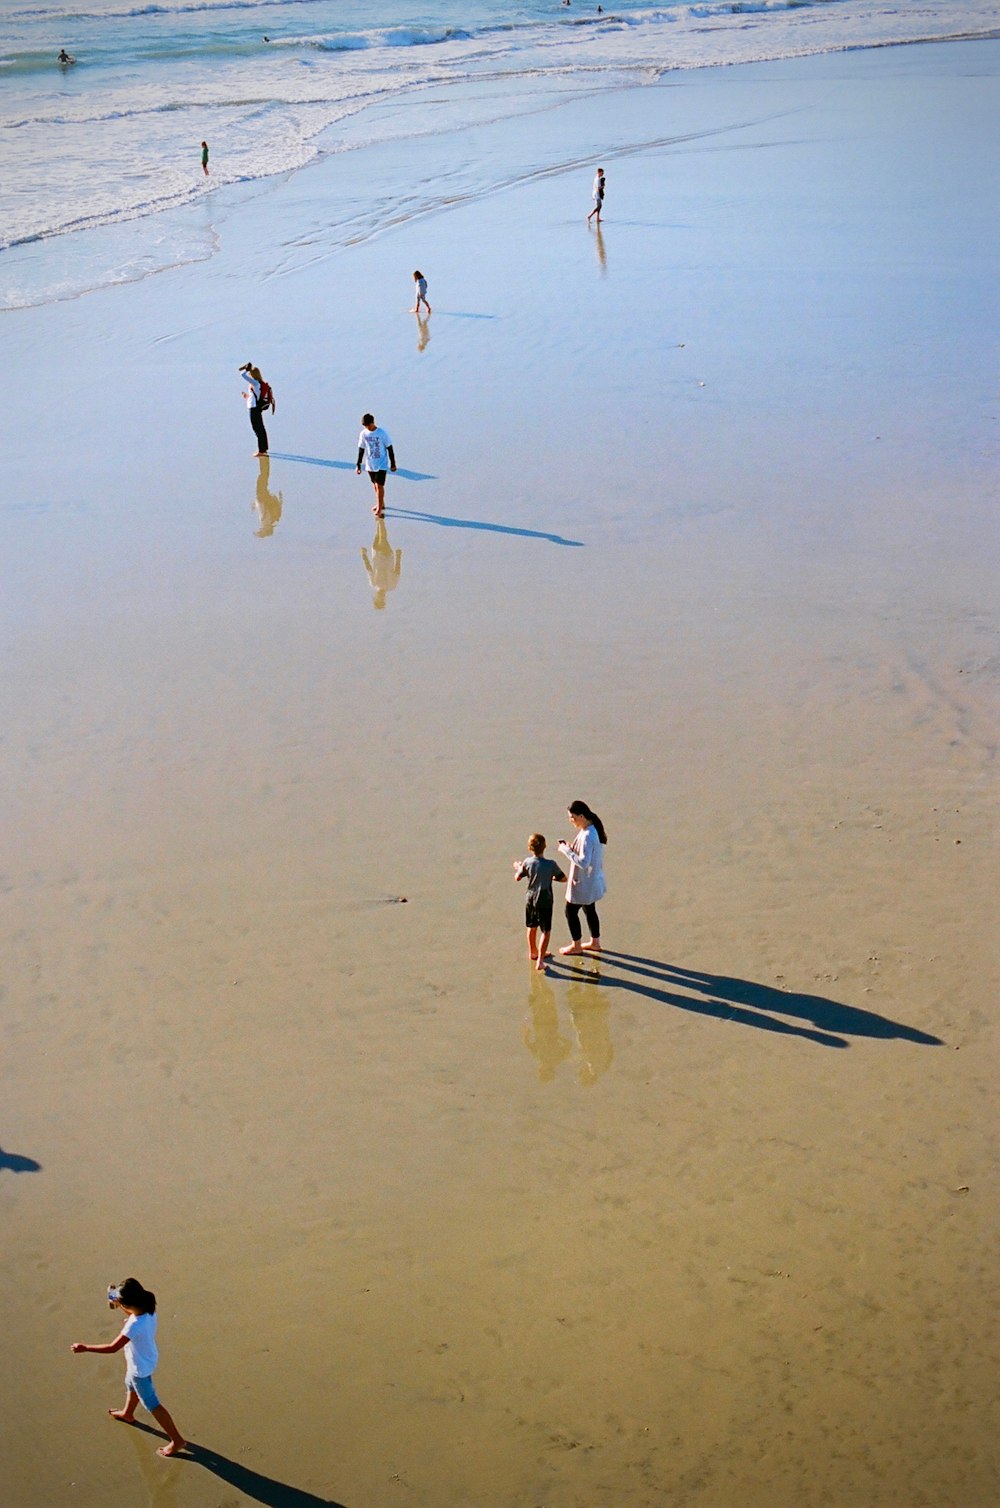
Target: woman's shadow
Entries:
(750, 1004)
(258, 1488)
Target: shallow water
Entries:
(114, 140)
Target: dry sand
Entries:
(712, 1222)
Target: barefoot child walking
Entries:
(539, 872)
(138, 1338)
(421, 284)
(375, 449)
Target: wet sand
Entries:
(700, 529)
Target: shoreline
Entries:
(107, 239)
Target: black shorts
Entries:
(538, 911)
(378, 477)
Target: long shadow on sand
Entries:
(409, 476)
(741, 1000)
(476, 523)
(257, 1488)
(15, 1163)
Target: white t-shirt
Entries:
(375, 443)
(141, 1354)
(598, 187)
(253, 398)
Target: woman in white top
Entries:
(257, 401)
(585, 886)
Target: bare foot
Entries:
(378, 512)
(531, 955)
(594, 946)
(173, 1449)
(540, 966)
(572, 948)
(122, 1414)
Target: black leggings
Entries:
(257, 420)
(573, 920)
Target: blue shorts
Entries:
(146, 1391)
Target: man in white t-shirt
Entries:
(597, 196)
(375, 449)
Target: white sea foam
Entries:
(116, 138)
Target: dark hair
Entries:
(132, 1294)
(418, 273)
(368, 418)
(581, 809)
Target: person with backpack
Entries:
(259, 398)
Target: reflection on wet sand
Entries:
(590, 1011)
(160, 1485)
(423, 332)
(602, 256)
(267, 503)
(383, 565)
(542, 1037)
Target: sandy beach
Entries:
(697, 522)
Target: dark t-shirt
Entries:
(540, 874)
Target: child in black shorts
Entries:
(539, 872)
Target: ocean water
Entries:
(103, 156)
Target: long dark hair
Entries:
(581, 809)
(132, 1294)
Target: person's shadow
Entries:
(258, 1488)
(445, 522)
(15, 1163)
(746, 1003)
(401, 471)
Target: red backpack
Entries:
(266, 399)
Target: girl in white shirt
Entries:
(138, 1338)
(586, 884)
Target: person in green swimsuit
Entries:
(204, 158)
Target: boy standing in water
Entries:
(539, 872)
(204, 158)
(375, 449)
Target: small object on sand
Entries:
(393, 900)
(963, 1188)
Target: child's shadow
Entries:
(751, 1004)
(15, 1162)
(258, 1488)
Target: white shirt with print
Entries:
(375, 443)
